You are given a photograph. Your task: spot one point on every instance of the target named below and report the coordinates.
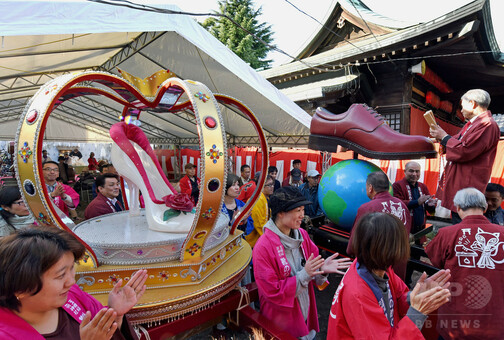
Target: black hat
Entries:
(285, 199)
(296, 174)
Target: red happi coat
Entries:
(382, 202)
(401, 192)
(356, 314)
(277, 288)
(186, 186)
(246, 191)
(469, 159)
(473, 250)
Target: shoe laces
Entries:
(373, 112)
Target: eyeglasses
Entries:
(269, 185)
(20, 202)
(51, 169)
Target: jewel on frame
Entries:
(25, 152)
(214, 153)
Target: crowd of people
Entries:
(372, 301)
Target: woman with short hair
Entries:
(287, 266)
(232, 205)
(13, 211)
(371, 301)
(40, 300)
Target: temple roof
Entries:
(460, 46)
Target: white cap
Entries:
(313, 173)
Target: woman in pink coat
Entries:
(371, 301)
(40, 300)
(287, 265)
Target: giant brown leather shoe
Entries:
(365, 131)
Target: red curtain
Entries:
(418, 125)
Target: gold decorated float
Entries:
(193, 258)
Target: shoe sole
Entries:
(330, 144)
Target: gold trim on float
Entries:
(163, 274)
(174, 302)
(196, 279)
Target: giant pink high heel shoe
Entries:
(137, 163)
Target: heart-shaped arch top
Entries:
(209, 122)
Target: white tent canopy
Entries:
(43, 39)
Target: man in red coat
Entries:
(377, 186)
(470, 154)
(415, 195)
(106, 202)
(189, 184)
(474, 252)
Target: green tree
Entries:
(248, 48)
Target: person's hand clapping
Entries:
(440, 279)
(102, 327)
(427, 296)
(122, 299)
(58, 190)
(333, 265)
(313, 264)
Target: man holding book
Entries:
(471, 152)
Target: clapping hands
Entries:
(102, 327)
(317, 265)
(122, 299)
(431, 293)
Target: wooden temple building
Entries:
(399, 69)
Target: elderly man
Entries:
(494, 195)
(473, 251)
(377, 189)
(415, 195)
(310, 192)
(63, 196)
(471, 152)
(106, 202)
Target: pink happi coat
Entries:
(78, 303)
(277, 288)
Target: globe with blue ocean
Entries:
(342, 190)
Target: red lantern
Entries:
(429, 75)
(432, 99)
